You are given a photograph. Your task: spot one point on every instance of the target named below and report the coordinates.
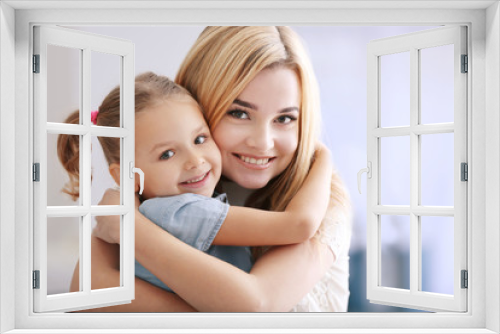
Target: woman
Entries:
(258, 91)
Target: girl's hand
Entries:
(108, 227)
(321, 150)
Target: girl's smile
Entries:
(197, 182)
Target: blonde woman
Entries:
(259, 94)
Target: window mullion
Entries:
(415, 267)
(86, 178)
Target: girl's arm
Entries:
(276, 283)
(298, 223)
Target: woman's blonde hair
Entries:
(150, 88)
(219, 66)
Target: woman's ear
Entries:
(114, 170)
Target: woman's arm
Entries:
(106, 274)
(105, 262)
(299, 221)
(277, 282)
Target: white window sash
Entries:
(86, 298)
(414, 297)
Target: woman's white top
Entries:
(331, 293)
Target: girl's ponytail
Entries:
(68, 151)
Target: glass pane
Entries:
(63, 189)
(63, 252)
(437, 254)
(437, 169)
(101, 173)
(436, 84)
(395, 89)
(106, 75)
(395, 251)
(395, 170)
(113, 281)
(63, 82)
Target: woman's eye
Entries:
(240, 114)
(167, 155)
(200, 140)
(285, 119)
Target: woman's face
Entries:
(258, 135)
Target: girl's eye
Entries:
(239, 114)
(167, 155)
(200, 139)
(285, 119)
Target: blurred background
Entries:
(339, 57)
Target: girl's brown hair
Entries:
(219, 66)
(150, 89)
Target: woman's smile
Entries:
(254, 162)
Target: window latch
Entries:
(368, 171)
(132, 171)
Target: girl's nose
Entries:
(261, 138)
(193, 160)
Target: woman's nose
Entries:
(261, 138)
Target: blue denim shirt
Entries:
(196, 220)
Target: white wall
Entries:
(7, 165)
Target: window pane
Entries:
(395, 89)
(63, 189)
(112, 281)
(436, 84)
(101, 176)
(437, 254)
(395, 170)
(63, 252)
(63, 82)
(106, 75)
(395, 251)
(437, 169)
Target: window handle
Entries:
(134, 170)
(368, 171)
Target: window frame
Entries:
(414, 295)
(483, 145)
(86, 44)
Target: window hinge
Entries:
(465, 64)
(36, 63)
(465, 279)
(464, 171)
(36, 279)
(36, 172)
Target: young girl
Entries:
(182, 166)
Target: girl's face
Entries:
(174, 149)
(258, 136)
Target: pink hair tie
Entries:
(93, 116)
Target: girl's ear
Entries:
(114, 170)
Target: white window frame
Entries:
(483, 21)
(414, 297)
(86, 44)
